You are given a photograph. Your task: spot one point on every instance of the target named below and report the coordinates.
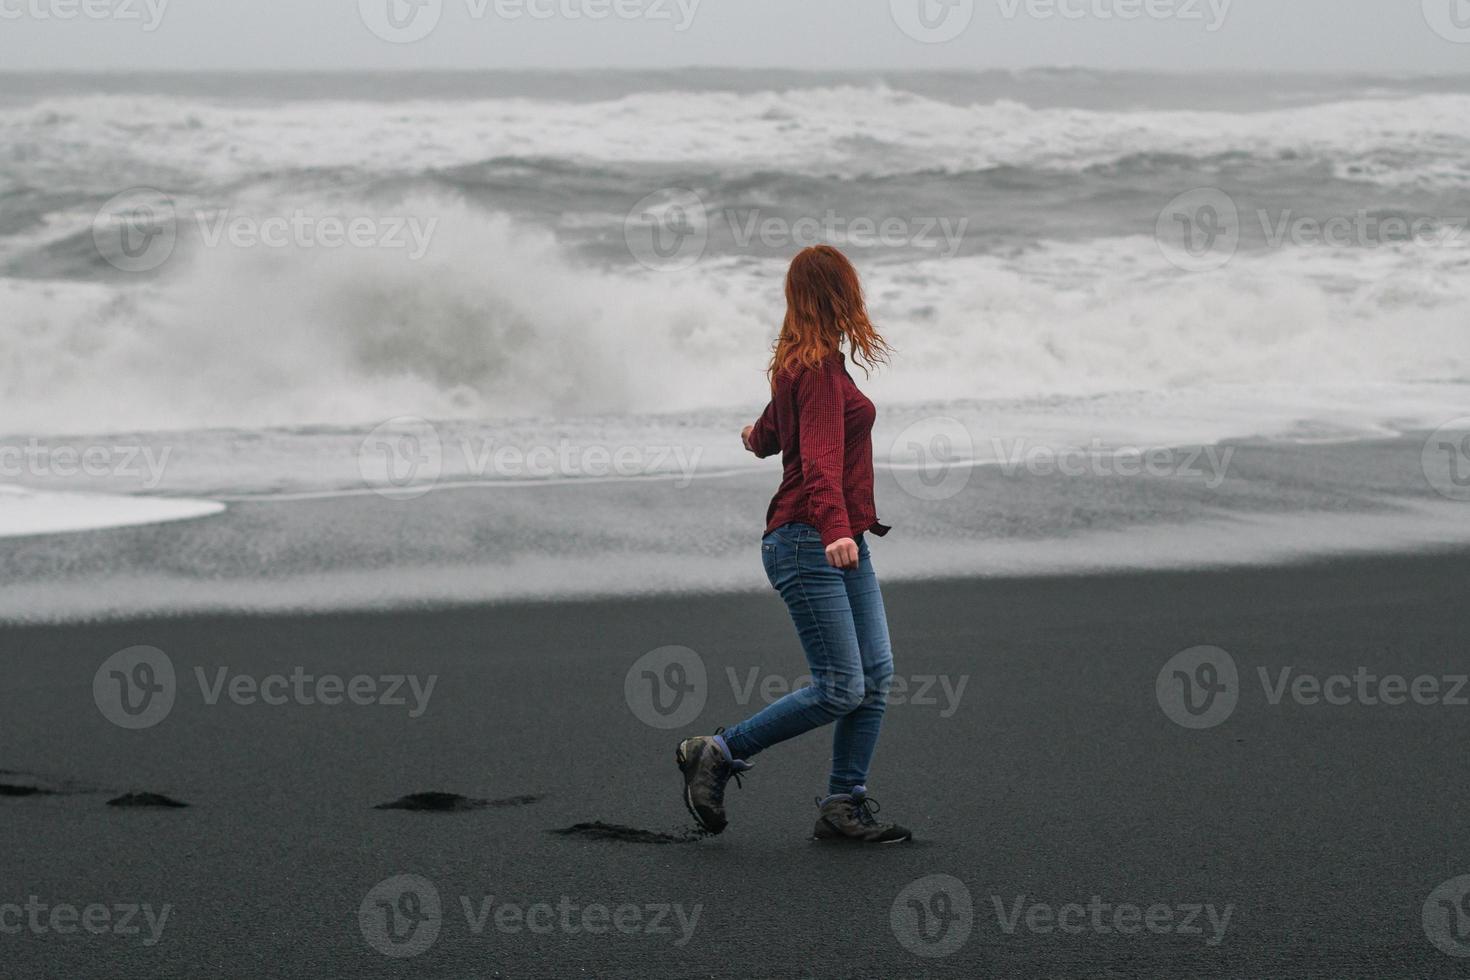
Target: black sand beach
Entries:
(1053, 773)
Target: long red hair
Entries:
(824, 307)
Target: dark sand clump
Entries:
(597, 830)
(146, 800)
(16, 789)
(453, 802)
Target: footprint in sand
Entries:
(454, 802)
(599, 831)
(146, 800)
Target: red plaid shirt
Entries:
(822, 425)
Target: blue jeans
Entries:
(839, 617)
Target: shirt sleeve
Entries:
(764, 437)
(820, 402)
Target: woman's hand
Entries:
(843, 553)
(745, 437)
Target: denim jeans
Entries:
(839, 617)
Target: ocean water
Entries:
(594, 261)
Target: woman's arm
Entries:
(762, 438)
(820, 401)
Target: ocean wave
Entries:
(498, 320)
(844, 131)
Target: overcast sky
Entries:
(1303, 35)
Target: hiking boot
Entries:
(850, 817)
(707, 766)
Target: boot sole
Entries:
(844, 839)
(858, 840)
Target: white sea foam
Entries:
(497, 322)
(29, 512)
(824, 131)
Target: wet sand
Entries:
(1031, 756)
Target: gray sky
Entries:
(1183, 35)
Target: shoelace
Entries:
(735, 768)
(863, 810)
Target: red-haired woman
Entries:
(816, 556)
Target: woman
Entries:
(816, 555)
